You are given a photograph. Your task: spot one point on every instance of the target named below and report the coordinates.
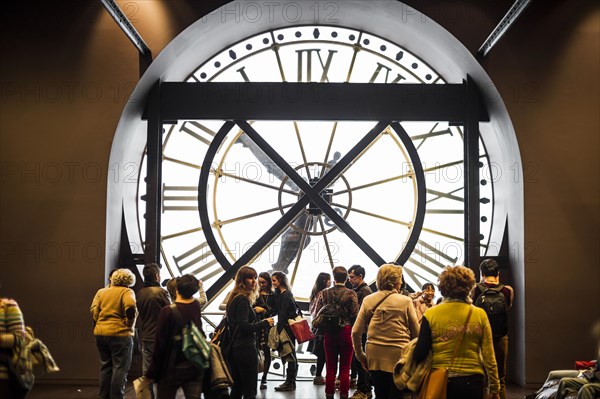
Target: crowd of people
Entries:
(373, 331)
(383, 341)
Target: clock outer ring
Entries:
(216, 144)
(443, 52)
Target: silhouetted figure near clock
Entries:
(336, 157)
(290, 243)
(292, 237)
(264, 159)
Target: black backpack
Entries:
(329, 317)
(493, 301)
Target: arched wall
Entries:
(392, 20)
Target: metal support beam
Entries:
(511, 16)
(126, 26)
(153, 178)
(315, 101)
(471, 180)
(171, 101)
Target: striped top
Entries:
(11, 322)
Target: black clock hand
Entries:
(291, 239)
(330, 164)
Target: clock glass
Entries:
(377, 194)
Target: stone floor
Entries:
(305, 390)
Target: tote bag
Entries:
(301, 329)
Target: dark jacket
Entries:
(285, 308)
(267, 302)
(242, 322)
(150, 300)
(362, 291)
(166, 352)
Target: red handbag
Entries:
(584, 364)
(301, 329)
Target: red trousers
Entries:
(338, 347)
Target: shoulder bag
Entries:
(300, 328)
(379, 303)
(435, 383)
(193, 344)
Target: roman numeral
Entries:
(415, 279)
(216, 270)
(442, 234)
(197, 260)
(431, 133)
(429, 260)
(378, 70)
(306, 69)
(198, 131)
(186, 200)
(181, 233)
(430, 253)
(242, 71)
(180, 162)
(450, 196)
(445, 211)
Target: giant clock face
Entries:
(245, 191)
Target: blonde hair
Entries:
(389, 277)
(122, 278)
(456, 282)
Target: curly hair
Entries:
(456, 282)
(122, 278)
(389, 277)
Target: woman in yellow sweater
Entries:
(440, 332)
(114, 311)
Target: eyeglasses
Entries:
(351, 277)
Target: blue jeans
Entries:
(115, 359)
(147, 349)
